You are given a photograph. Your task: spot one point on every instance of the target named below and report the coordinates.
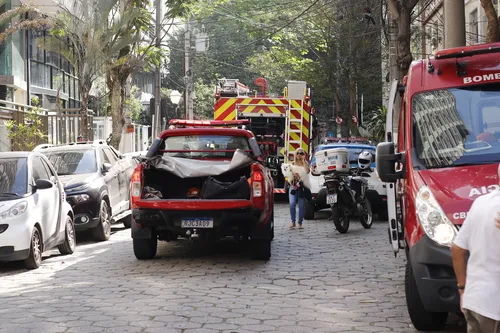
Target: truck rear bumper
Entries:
(231, 222)
(435, 277)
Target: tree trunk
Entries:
(115, 97)
(404, 48)
(84, 93)
(492, 33)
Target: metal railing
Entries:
(58, 126)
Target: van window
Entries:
(458, 126)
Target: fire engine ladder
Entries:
(295, 123)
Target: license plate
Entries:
(331, 199)
(197, 223)
(371, 187)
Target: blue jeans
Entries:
(294, 199)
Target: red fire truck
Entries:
(441, 152)
(281, 124)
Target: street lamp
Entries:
(175, 98)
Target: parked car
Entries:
(96, 179)
(204, 182)
(377, 192)
(34, 214)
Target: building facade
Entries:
(27, 71)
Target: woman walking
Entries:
(296, 193)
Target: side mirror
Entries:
(43, 184)
(106, 167)
(390, 166)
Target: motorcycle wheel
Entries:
(340, 218)
(366, 218)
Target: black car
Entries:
(96, 179)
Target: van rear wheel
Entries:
(420, 317)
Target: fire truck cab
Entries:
(281, 124)
(441, 152)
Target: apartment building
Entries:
(27, 70)
(430, 17)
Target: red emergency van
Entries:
(442, 151)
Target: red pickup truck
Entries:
(202, 179)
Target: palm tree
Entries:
(32, 20)
(88, 35)
(376, 123)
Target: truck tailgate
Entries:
(193, 204)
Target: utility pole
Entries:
(454, 24)
(189, 92)
(157, 117)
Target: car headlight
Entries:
(79, 198)
(14, 211)
(433, 220)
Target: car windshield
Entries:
(459, 126)
(13, 177)
(73, 162)
(204, 146)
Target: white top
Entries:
(481, 237)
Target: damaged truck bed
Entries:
(202, 182)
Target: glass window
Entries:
(73, 162)
(13, 176)
(104, 157)
(39, 170)
(457, 126)
(204, 146)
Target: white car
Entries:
(376, 193)
(34, 214)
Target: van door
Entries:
(391, 135)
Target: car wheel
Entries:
(127, 221)
(145, 248)
(36, 247)
(261, 249)
(69, 245)
(103, 229)
(309, 211)
(420, 317)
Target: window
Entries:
(73, 162)
(473, 27)
(13, 176)
(204, 146)
(104, 157)
(39, 170)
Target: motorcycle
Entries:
(346, 197)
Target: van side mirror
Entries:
(390, 166)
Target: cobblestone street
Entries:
(316, 281)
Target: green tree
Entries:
(376, 123)
(26, 133)
(88, 39)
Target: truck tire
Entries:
(272, 225)
(309, 211)
(145, 248)
(340, 219)
(420, 317)
(261, 249)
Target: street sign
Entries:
(338, 120)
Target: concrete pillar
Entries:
(454, 23)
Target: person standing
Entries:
(478, 277)
(295, 196)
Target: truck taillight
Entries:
(136, 184)
(257, 179)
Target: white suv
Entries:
(377, 192)
(34, 214)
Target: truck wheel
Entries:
(420, 317)
(145, 248)
(127, 221)
(340, 219)
(261, 249)
(309, 211)
(103, 230)
(367, 218)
